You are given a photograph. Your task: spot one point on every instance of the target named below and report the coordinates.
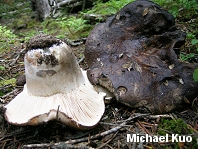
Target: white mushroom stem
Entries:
(63, 76)
(56, 88)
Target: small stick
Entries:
(107, 141)
(159, 116)
(83, 5)
(56, 145)
(105, 133)
(15, 60)
(82, 58)
(8, 94)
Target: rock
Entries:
(21, 80)
(133, 55)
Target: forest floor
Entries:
(111, 132)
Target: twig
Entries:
(15, 60)
(115, 129)
(65, 3)
(143, 128)
(94, 17)
(159, 116)
(105, 133)
(81, 59)
(2, 78)
(107, 141)
(110, 146)
(113, 124)
(76, 43)
(56, 145)
(83, 5)
(146, 131)
(8, 94)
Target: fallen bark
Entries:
(66, 3)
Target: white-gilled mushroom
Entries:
(56, 88)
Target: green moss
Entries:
(183, 9)
(108, 8)
(195, 75)
(69, 27)
(11, 81)
(178, 126)
(5, 82)
(18, 22)
(17, 11)
(7, 39)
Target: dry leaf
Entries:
(145, 12)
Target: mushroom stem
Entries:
(56, 69)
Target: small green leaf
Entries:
(11, 81)
(185, 57)
(2, 68)
(195, 75)
(194, 41)
(189, 35)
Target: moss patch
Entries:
(178, 126)
(11, 81)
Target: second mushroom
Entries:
(134, 55)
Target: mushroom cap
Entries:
(56, 89)
(133, 55)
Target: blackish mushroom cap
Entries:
(42, 41)
(133, 55)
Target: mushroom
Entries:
(56, 88)
(134, 55)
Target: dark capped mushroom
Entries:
(134, 55)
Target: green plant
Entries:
(12, 8)
(7, 38)
(6, 82)
(74, 26)
(195, 75)
(74, 23)
(11, 81)
(108, 8)
(177, 6)
(177, 126)
(2, 68)
(186, 57)
(6, 35)
(193, 41)
(26, 36)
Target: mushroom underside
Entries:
(134, 55)
(77, 108)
